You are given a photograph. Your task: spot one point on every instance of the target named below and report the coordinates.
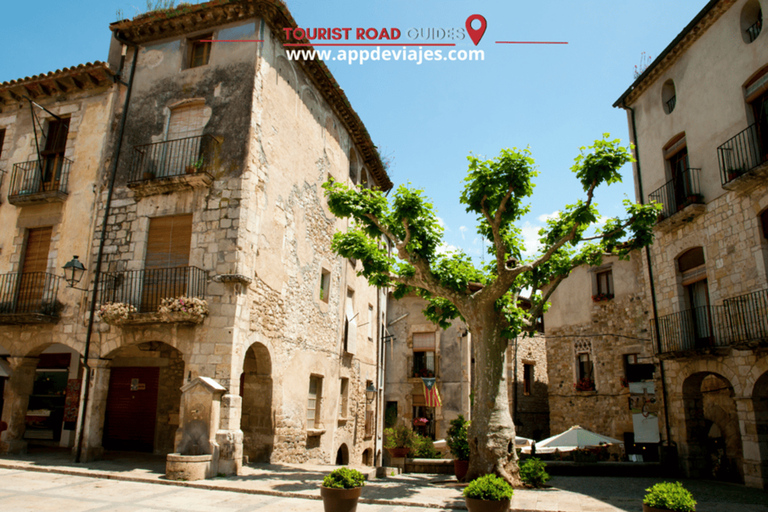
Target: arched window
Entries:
(751, 21)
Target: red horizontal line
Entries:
(531, 42)
(231, 40)
(369, 44)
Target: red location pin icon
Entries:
(476, 34)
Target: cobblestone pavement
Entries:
(136, 483)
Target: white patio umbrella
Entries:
(572, 439)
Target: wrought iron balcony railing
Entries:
(30, 293)
(741, 153)
(145, 289)
(178, 157)
(748, 317)
(705, 327)
(671, 104)
(47, 177)
(754, 30)
(679, 192)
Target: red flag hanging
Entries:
(431, 395)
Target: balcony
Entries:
(741, 158)
(754, 30)
(172, 165)
(748, 316)
(40, 181)
(681, 199)
(30, 298)
(145, 289)
(741, 322)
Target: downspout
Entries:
(102, 240)
(650, 280)
(378, 386)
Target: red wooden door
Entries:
(131, 414)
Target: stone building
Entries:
(698, 116)
(218, 198)
(52, 143)
(599, 356)
(415, 348)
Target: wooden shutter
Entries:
(168, 242)
(53, 154)
(186, 121)
(36, 253)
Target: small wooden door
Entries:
(53, 154)
(33, 277)
(165, 265)
(131, 415)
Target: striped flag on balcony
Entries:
(431, 395)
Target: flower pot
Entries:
(474, 505)
(646, 508)
(340, 500)
(398, 453)
(460, 468)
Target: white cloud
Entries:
(462, 230)
(530, 238)
(547, 216)
(445, 248)
(442, 223)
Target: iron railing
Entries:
(748, 316)
(679, 192)
(145, 289)
(671, 104)
(704, 327)
(33, 292)
(38, 176)
(754, 30)
(173, 158)
(740, 154)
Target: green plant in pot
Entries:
(666, 496)
(399, 440)
(341, 489)
(457, 442)
(489, 493)
(533, 472)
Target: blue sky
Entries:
(429, 117)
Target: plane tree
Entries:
(399, 242)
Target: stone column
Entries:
(16, 399)
(753, 467)
(94, 411)
(229, 436)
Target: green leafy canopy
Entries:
(399, 239)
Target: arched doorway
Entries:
(760, 403)
(342, 455)
(714, 448)
(257, 416)
(142, 412)
(368, 457)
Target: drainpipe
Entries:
(650, 280)
(102, 240)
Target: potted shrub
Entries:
(459, 446)
(424, 448)
(399, 439)
(489, 493)
(341, 489)
(668, 496)
(533, 472)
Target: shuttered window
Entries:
(53, 154)
(2, 139)
(168, 242)
(186, 121)
(423, 341)
(36, 253)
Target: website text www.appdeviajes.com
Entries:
(361, 56)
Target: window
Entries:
(350, 323)
(527, 379)
(2, 138)
(313, 402)
(764, 223)
(605, 283)
(368, 431)
(693, 272)
(199, 50)
(584, 372)
(52, 156)
(424, 354)
(668, 96)
(635, 370)
(353, 165)
(343, 397)
(325, 284)
(370, 322)
(751, 21)
(32, 282)
(166, 263)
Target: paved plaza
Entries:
(129, 482)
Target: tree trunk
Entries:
(492, 432)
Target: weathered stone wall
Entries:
(531, 412)
(608, 329)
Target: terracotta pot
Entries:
(398, 452)
(460, 468)
(340, 500)
(474, 505)
(646, 508)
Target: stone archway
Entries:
(713, 441)
(760, 404)
(143, 398)
(257, 417)
(342, 455)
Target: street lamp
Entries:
(73, 271)
(370, 392)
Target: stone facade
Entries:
(591, 337)
(454, 369)
(701, 151)
(231, 154)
